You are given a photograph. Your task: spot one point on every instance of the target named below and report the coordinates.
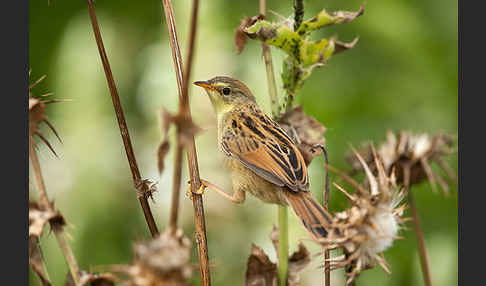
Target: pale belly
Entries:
(246, 180)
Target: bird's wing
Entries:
(261, 145)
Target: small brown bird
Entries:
(262, 158)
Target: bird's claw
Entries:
(200, 191)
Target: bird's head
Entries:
(226, 93)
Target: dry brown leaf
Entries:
(162, 151)
(306, 131)
(240, 35)
(186, 128)
(297, 262)
(36, 260)
(262, 271)
(341, 46)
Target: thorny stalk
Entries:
(140, 186)
(183, 84)
(283, 246)
(44, 202)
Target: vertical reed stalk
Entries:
(183, 85)
(140, 186)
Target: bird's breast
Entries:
(246, 180)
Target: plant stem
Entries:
(283, 245)
(419, 234)
(139, 185)
(298, 13)
(176, 187)
(327, 263)
(183, 85)
(272, 86)
(45, 204)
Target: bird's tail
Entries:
(314, 217)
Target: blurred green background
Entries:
(402, 74)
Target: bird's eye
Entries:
(226, 90)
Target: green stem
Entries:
(283, 245)
(267, 56)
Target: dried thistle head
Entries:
(370, 225)
(37, 114)
(164, 260)
(411, 155)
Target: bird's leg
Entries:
(237, 197)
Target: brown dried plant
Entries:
(44, 211)
(261, 271)
(306, 131)
(185, 138)
(411, 155)
(370, 225)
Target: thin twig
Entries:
(176, 187)
(420, 240)
(139, 185)
(327, 263)
(45, 204)
(267, 56)
(183, 84)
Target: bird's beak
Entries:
(204, 84)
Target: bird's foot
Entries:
(200, 191)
